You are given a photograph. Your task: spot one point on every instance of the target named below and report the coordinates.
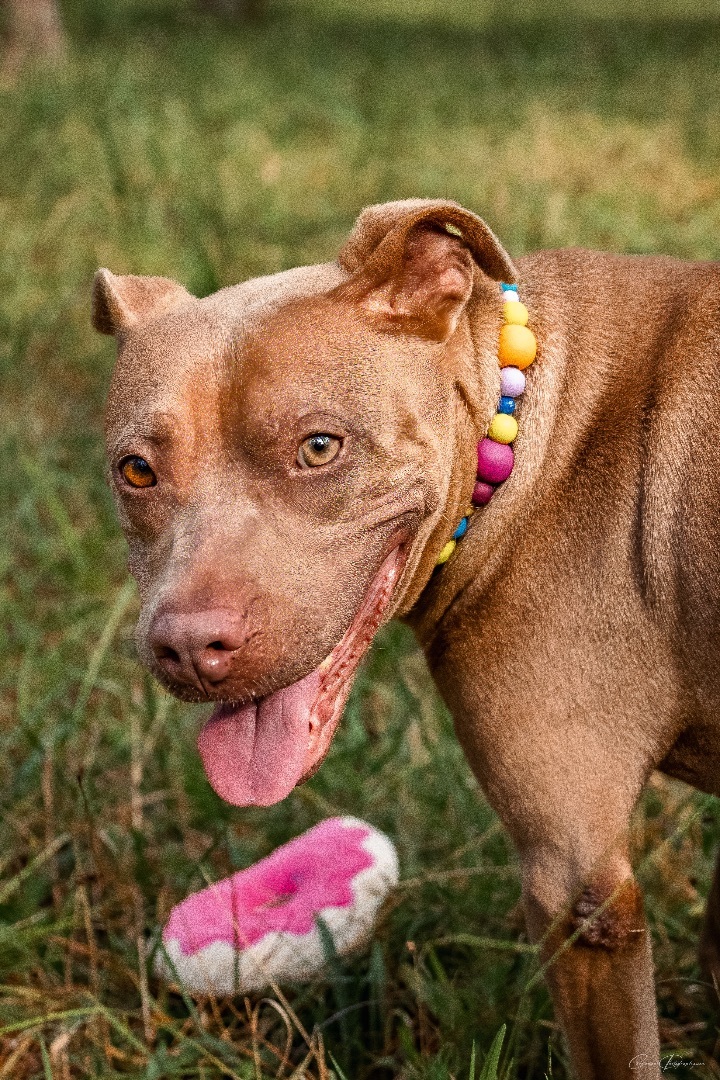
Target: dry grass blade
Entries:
(9, 887)
(122, 602)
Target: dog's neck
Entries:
(488, 538)
(517, 348)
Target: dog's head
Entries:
(288, 457)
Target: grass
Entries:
(176, 145)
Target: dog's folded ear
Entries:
(415, 263)
(119, 302)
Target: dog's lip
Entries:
(338, 669)
(256, 754)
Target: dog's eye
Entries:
(137, 473)
(317, 450)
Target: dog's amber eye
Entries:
(137, 473)
(317, 450)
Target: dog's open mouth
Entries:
(255, 754)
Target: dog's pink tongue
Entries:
(254, 755)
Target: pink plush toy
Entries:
(260, 926)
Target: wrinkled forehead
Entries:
(263, 353)
(202, 339)
(324, 354)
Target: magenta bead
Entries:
(482, 493)
(512, 382)
(495, 461)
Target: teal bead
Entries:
(506, 405)
(461, 530)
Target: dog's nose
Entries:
(197, 648)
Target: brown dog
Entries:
(291, 454)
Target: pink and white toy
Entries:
(260, 926)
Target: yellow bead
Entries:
(503, 428)
(517, 346)
(446, 552)
(515, 312)
(470, 511)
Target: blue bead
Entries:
(508, 288)
(461, 530)
(506, 405)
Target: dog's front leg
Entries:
(596, 955)
(566, 790)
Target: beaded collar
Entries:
(517, 347)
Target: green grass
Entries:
(175, 145)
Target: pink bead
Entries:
(482, 493)
(495, 461)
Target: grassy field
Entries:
(172, 144)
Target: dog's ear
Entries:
(119, 302)
(415, 263)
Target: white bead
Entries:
(509, 295)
